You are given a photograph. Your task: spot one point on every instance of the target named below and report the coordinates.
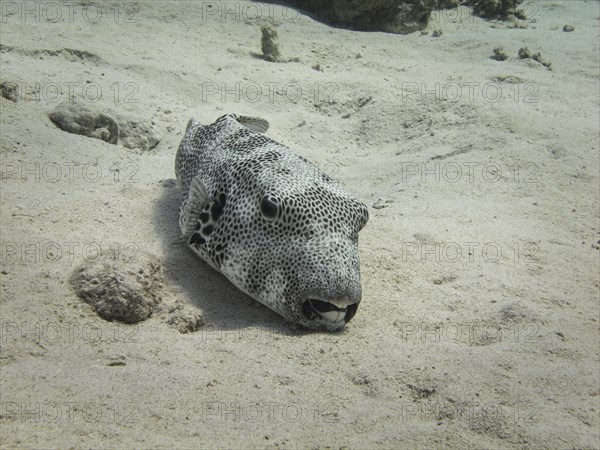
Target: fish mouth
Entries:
(335, 312)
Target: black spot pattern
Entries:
(215, 211)
(207, 220)
(277, 227)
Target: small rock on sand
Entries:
(78, 118)
(10, 90)
(131, 131)
(186, 321)
(499, 54)
(524, 53)
(127, 291)
(270, 44)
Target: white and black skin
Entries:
(276, 226)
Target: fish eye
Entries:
(269, 207)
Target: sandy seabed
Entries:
(479, 320)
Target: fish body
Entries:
(276, 226)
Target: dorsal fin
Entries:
(253, 123)
(191, 123)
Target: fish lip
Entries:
(315, 308)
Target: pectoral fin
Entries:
(194, 203)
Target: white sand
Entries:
(479, 320)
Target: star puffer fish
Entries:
(277, 227)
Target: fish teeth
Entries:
(341, 303)
(333, 316)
